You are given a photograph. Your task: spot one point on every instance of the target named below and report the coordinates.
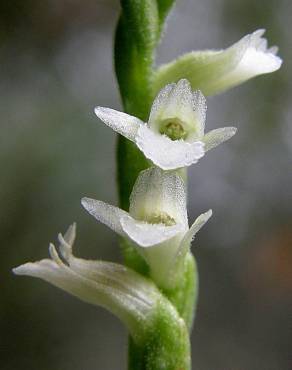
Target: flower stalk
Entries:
(161, 133)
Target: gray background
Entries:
(56, 65)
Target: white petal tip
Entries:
(208, 214)
(232, 131)
(91, 205)
(203, 218)
(86, 202)
(259, 32)
(17, 270)
(22, 269)
(70, 234)
(54, 254)
(99, 111)
(120, 122)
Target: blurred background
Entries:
(56, 65)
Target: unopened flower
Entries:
(214, 71)
(121, 290)
(174, 135)
(156, 223)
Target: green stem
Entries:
(134, 73)
(137, 34)
(165, 345)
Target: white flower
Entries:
(174, 135)
(214, 71)
(156, 224)
(121, 290)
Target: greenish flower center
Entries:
(174, 129)
(160, 218)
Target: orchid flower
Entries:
(156, 223)
(174, 135)
(117, 288)
(214, 71)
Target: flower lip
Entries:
(166, 153)
(147, 234)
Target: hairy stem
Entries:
(137, 34)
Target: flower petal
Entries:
(158, 192)
(168, 154)
(120, 122)
(159, 104)
(200, 108)
(189, 236)
(61, 276)
(105, 213)
(218, 136)
(131, 309)
(112, 274)
(70, 235)
(214, 71)
(115, 275)
(256, 60)
(119, 289)
(174, 101)
(145, 234)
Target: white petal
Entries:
(218, 136)
(147, 235)
(273, 50)
(61, 276)
(189, 236)
(105, 213)
(66, 243)
(256, 60)
(70, 234)
(110, 274)
(179, 99)
(115, 275)
(178, 104)
(156, 192)
(120, 122)
(200, 108)
(128, 307)
(168, 154)
(120, 290)
(159, 104)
